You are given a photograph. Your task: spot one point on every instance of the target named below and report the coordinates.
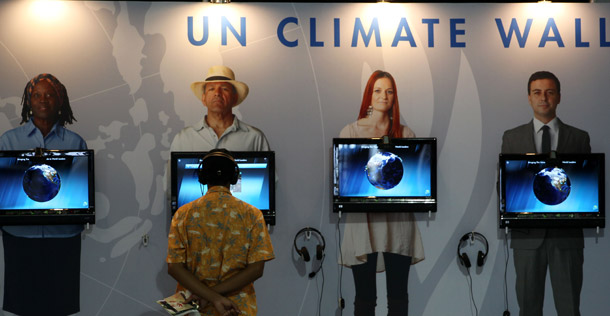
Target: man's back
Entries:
(216, 236)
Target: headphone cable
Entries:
(341, 300)
(472, 293)
(322, 291)
(507, 255)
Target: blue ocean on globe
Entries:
(384, 170)
(41, 183)
(552, 186)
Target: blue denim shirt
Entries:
(26, 137)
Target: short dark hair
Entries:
(543, 75)
(218, 167)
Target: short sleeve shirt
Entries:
(216, 236)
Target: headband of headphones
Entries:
(217, 153)
(463, 257)
(303, 250)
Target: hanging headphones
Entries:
(204, 168)
(464, 260)
(304, 253)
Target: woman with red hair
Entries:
(379, 241)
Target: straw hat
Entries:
(221, 74)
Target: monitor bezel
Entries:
(385, 204)
(37, 216)
(551, 219)
(268, 214)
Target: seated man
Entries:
(218, 244)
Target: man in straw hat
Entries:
(219, 93)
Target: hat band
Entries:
(217, 78)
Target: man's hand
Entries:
(199, 302)
(225, 306)
(205, 295)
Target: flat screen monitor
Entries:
(45, 187)
(538, 191)
(391, 175)
(255, 185)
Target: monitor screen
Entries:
(255, 185)
(540, 191)
(46, 187)
(372, 176)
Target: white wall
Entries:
(128, 67)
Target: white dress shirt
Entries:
(553, 130)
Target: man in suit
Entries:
(535, 250)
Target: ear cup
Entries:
(201, 176)
(319, 252)
(480, 259)
(465, 260)
(235, 175)
(304, 254)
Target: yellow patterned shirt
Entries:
(217, 236)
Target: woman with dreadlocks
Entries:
(42, 263)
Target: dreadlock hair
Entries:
(65, 116)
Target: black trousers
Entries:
(397, 281)
(41, 275)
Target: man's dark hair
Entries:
(543, 75)
(218, 168)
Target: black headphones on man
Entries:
(464, 260)
(304, 253)
(205, 169)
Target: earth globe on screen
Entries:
(384, 170)
(41, 183)
(552, 186)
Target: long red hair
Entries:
(394, 130)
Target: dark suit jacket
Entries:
(520, 140)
